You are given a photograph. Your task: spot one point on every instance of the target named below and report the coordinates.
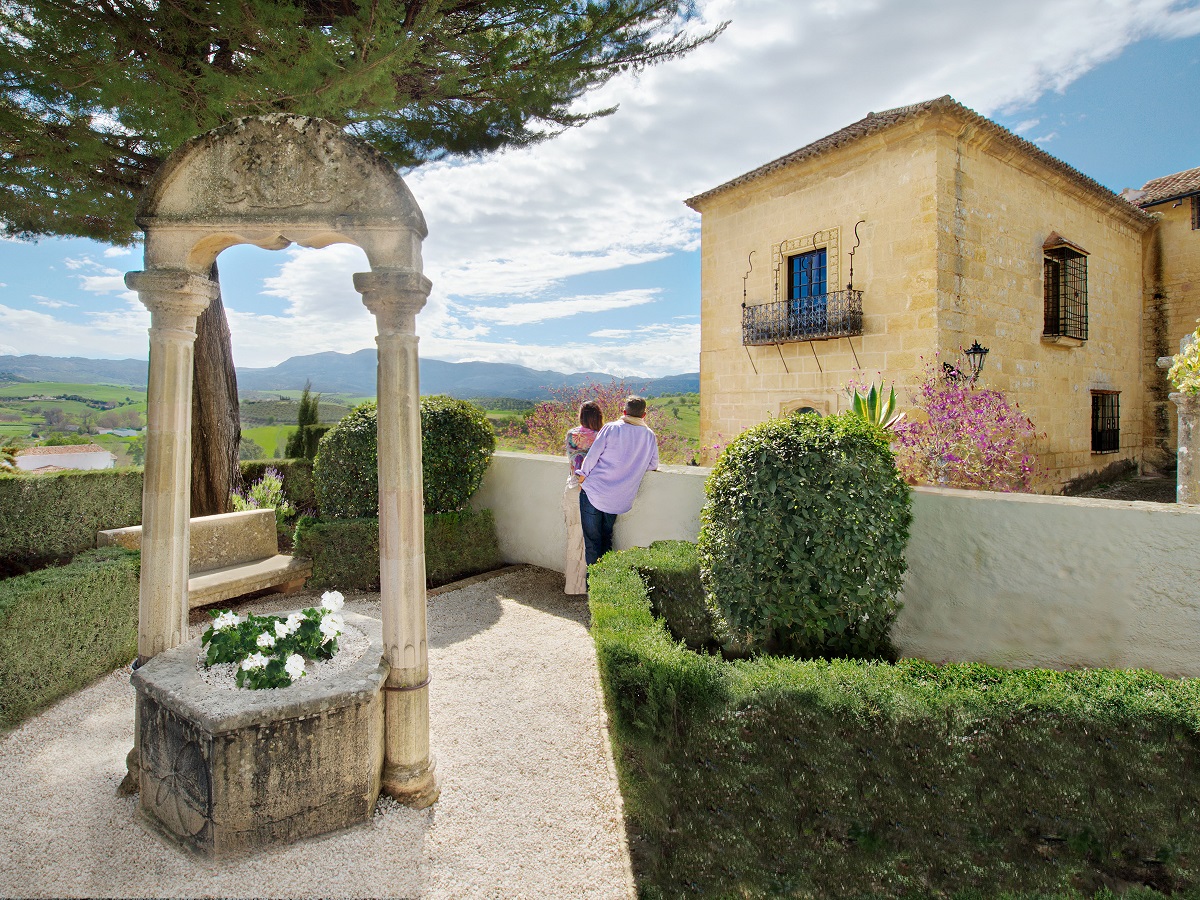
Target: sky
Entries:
(579, 254)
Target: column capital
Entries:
(394, 296)
(175, 297)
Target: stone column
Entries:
(395, 296)
(175, 299)
(1187, 474)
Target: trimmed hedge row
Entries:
(48, 518)
(62, 628)
(345, 552)
(779, 777)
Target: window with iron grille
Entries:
(1106, 421)
(806, 291)
(1066, 293)
(1195, 212)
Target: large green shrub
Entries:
(456, 446)
(345, 552)
(50, 518)
(457, 442)
(345, 471)
(61, 628)
(802, 536)
(778, 777)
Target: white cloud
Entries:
(50, 303)
(112, 334)
(543, 310)
(111, 252)
(653, 351)
(9, 350)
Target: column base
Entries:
(414, 786)
(131, 783)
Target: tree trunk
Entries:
(216, 421)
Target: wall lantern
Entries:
(975, 356)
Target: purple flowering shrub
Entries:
(965, 437)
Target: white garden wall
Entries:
(1009, 579)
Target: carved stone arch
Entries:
(821, 406)
(272, 181)
(275, 180)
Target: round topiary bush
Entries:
(346, 468)
(457, 442)
(802, 537)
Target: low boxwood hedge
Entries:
(61, 628)
(50, 518)
(840, 778)
(345, 552)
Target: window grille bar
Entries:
(1065, 273)
(814, 318)
(1195, 212)
(1106, 421)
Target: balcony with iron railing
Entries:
(819, 318)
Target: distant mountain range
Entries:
(348, 373)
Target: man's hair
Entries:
(590, 415)
(635, 406)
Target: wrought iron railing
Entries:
(834, 315)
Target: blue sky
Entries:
(579, 255)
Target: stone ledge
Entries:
(279, 571)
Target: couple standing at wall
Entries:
(607, 463)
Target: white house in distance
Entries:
(69, 456)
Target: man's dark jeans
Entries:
(597, 529)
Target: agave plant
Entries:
(874, 406)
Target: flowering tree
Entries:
(964, 437)
(546, 425)
(1184, 373)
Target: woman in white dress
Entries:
(579, 439)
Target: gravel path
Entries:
(529, 805)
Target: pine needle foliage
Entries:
(96, 93)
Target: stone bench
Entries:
(230, 555)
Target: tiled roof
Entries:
(64, 448)
(1169, 187)
(874, 122)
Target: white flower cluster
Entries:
(294, 666)
(288, 628)
(225, 620)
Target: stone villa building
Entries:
(927, 228)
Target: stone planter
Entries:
(226, 770)
(1188, 465)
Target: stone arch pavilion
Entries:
(273, 181)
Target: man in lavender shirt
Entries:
(611, 473)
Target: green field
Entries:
(269, 437)
(109, 393)
(684, 412)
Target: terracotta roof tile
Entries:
(878, 121)
(1169, 187)
(64, 448)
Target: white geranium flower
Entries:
(282, 630)
(294, 666)
(331, 626)
(293, 622)
(225, 620)
(254, 661)
(333, 601)
(266, 640)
